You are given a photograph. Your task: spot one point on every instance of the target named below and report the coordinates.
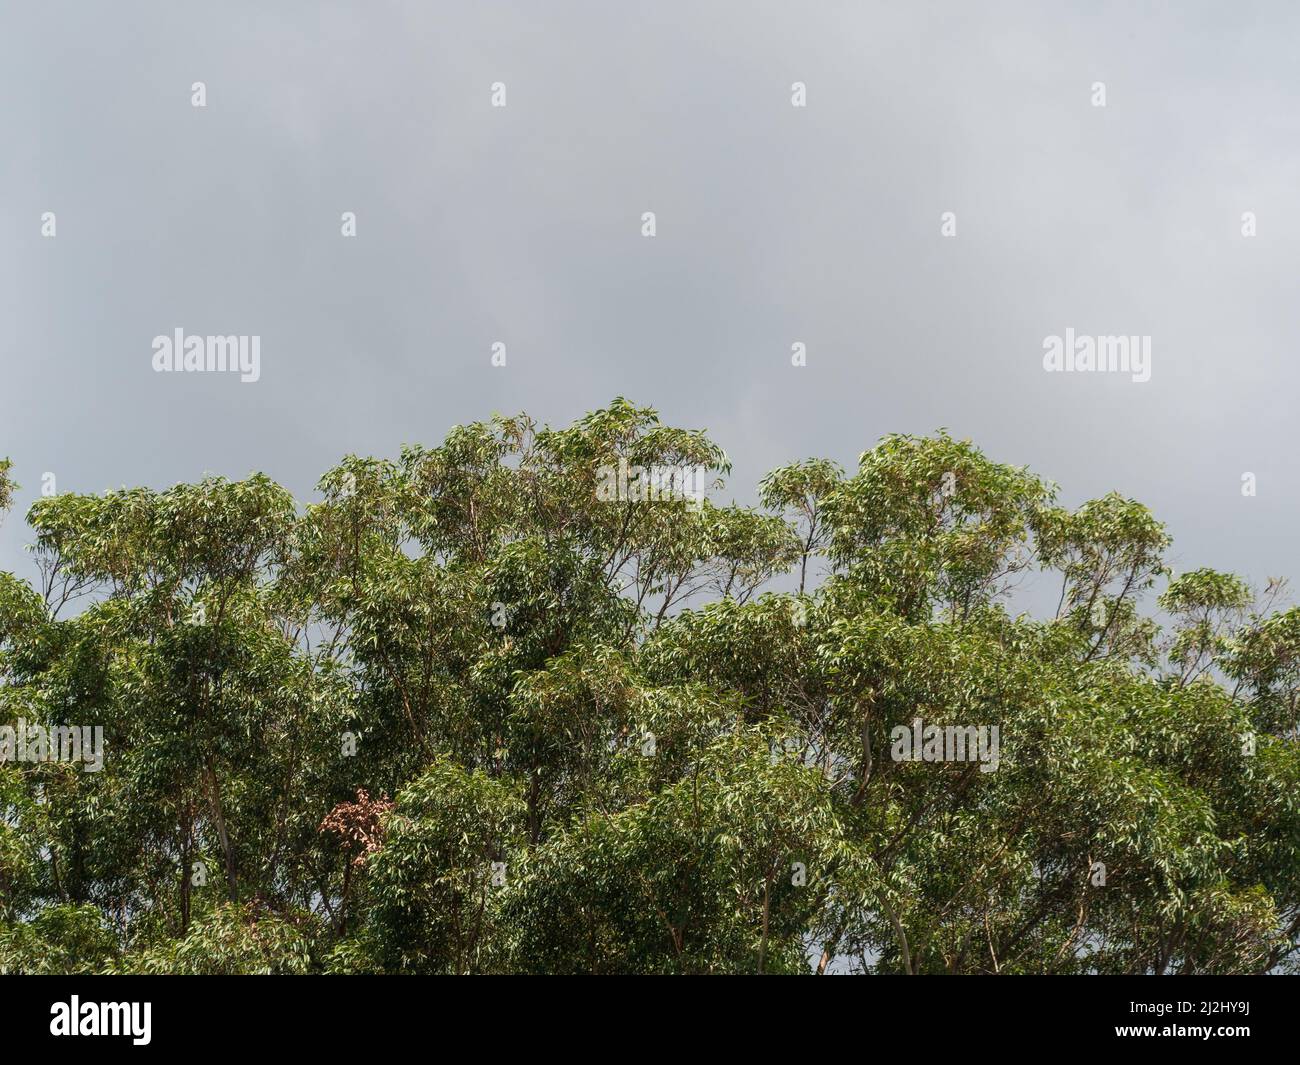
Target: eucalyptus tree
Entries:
(531, 701)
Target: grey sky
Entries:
(775, 225)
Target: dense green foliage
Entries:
(465, 716)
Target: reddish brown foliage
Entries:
(359, 824)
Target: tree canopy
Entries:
(469, 714)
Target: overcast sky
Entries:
(775, 224)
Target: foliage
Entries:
(613, 746)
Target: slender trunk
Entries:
(186, 873)
(214, 799)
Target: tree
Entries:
(528, 702)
